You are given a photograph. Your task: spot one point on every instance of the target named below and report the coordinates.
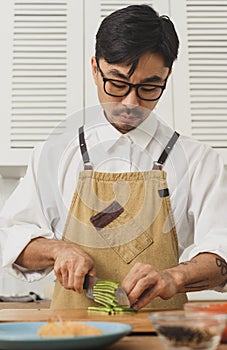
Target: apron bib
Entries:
(120, 219)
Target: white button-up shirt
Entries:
(196, 179)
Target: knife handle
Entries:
(86, 282)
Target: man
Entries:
(96, 201)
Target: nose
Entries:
(131, 99)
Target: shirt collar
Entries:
(108, 136)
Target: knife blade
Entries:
(120, 294)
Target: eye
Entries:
(149, 88)
(118, 84)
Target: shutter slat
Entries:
(38, 79)
(215, 125)
(209, 27)
(32, 114)
(37, 108)
(40, 61)
(31, 124)
(38, 45)
(25, 144)
(199, 99)
(34, 88)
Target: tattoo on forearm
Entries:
(223, 265)
(205, 283)
(197, 285)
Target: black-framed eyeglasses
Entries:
(119, 88)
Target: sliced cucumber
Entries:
(100, 308)
(120, 309)
(104, 294)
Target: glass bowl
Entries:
(214, 307)
(182, 331)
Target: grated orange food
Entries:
(67, 329)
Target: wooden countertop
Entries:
(139, 321)
(143, 335)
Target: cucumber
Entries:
(100, 308)
(104, 294)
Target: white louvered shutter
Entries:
(204, 56)
(39, 71)
(45, 56)
(207, 48)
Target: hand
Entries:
(71, 265)
(143, 283)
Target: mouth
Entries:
(127, 117)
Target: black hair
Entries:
(127, 34)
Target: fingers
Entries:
(72, 276)
(71, 266)
(146, 297)
(82, 269)
(137, 281)
(144, 283)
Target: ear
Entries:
(94, 69)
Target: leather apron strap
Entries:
(158, 165)
(83, 149)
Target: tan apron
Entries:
(120, 219)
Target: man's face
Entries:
(127, 112)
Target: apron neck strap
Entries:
(157, 165)
(83, 149)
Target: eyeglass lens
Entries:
(119, 89)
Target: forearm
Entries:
(205, 271)
(144, 282)
(40, 253)
(69, 261)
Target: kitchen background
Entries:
(45, 77)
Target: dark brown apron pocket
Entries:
(105, 217)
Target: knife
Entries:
(120, 294)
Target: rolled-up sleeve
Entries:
(208, 206)
(21, 220)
